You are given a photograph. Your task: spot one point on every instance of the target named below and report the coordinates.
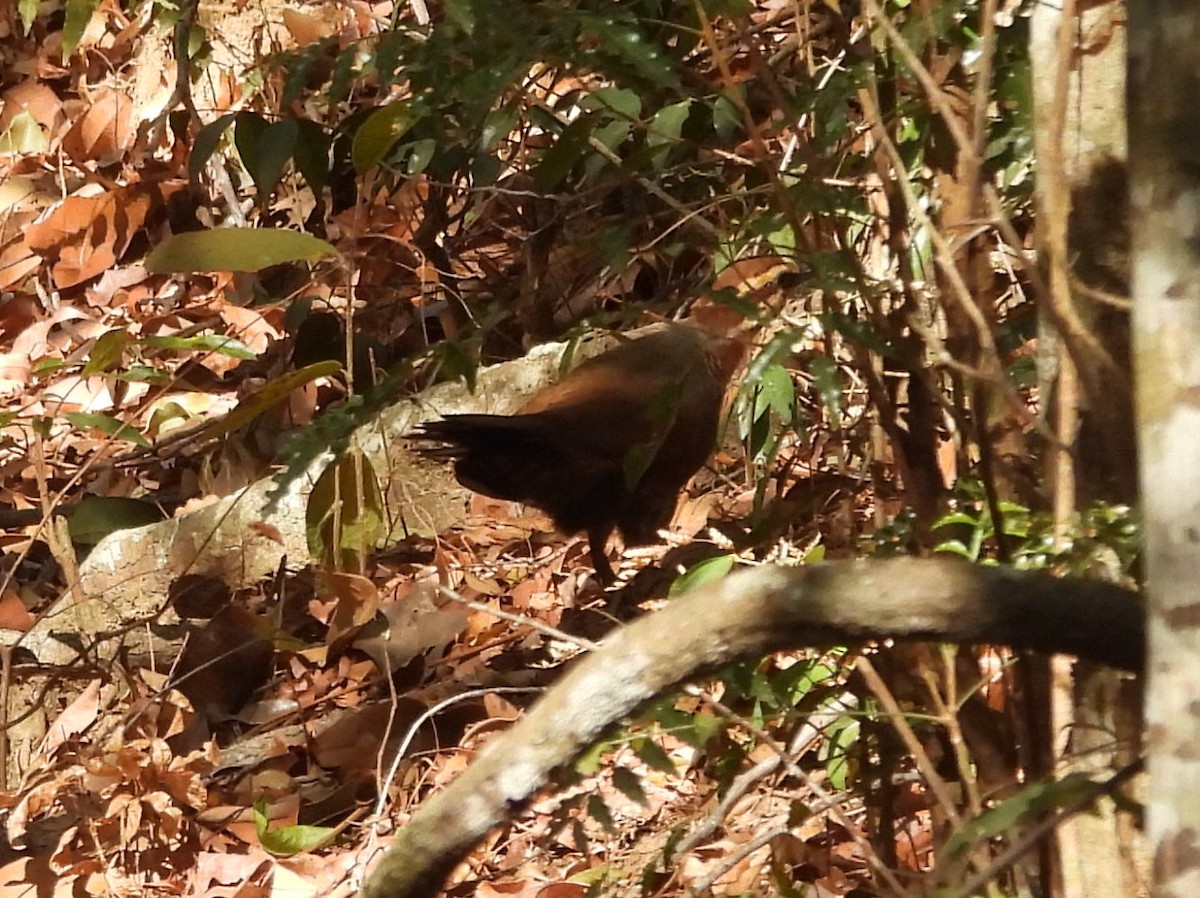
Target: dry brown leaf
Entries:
(104, 291)
(332, 874)
(510, 889)
(17, 260)
(225, 662)
(249, 326)
(562, 890)
(77, 717)
(34, 341)
(104, 130)
(692, 515)
(357, 601)
(268, 531)
(499, 708)
(410, 627)
(85, 236)
(31, 875)
(18, 312)
(83, 394)
(80, 234)
(287, 883)
(305, 29)
(35, 98)
(36, 801)
(220, 868)
(13, 613)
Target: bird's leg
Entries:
(597, 540)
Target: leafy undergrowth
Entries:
(510, 174)
(129, 793)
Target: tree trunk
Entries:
(1164, 116)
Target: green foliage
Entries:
(1106, 537)
(23, 136)
(1032, 802)
(766, 408)
(710, 570)
(458, 92)
(234, 249)
(975, 517)
(285, 841)
(345, 514)
(79, 13)
(218, 343)
(835, 752)
(108, 425)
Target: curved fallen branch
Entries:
(747, 615)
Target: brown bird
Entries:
(610, 445)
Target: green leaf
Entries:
(1031, 802)
(665, 129)
(594, 876)
(557, 162)
(732, 9)
(48, 366)
(379, 133)
(79, 13)
(611, 135)
(625, 103)
(667, 123)
(800, 680)
(95, 517)
(726, 120)
(203, 343)
(206, 142)
(956, 517)
(144, 374)
(344, 68)
(273, 392)
(462, 14)
(588, 763)
(276, 147)
(23, 136)
(28, 12)
(829, 386)
(312, 154)
(247, 138)
(286, 841)
(955, 547)
(835, 750)
(457, 362)
(776, 391)
(109, 425)
(710, 570)
(704, 727)
(234, 249)
(497, 126)
(858, 331)
(164, 414)
(420, 154)
(107, 353)
(623, 39)
(344, 517)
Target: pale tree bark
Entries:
(1077, 53)
(1164, 115)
